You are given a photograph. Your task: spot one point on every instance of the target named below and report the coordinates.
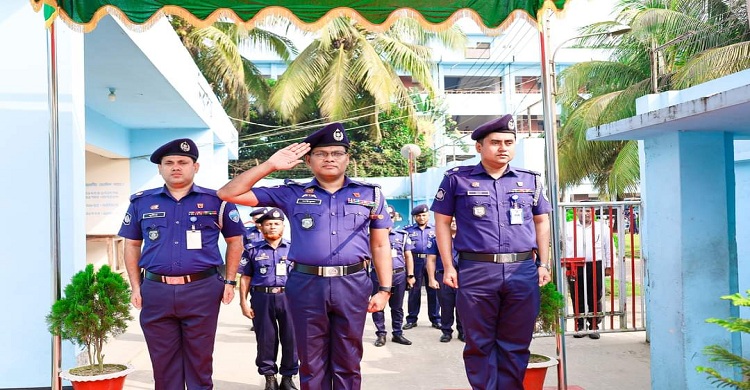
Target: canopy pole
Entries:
(54, 191)
(550, 138)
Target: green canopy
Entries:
(377, 14)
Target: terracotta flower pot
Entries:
(536, 372)
(112, 381)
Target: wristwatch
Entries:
(545, 266)
(388, 289)
(410, 276)
(232, 282)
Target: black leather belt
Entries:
(495, 257)
(180, 279)
(399, 270)
(421, 255)
(268, 290)
(329, 270)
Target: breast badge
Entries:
(153, 235)
(307, 222)
(479, 211)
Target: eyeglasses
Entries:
(337, 155)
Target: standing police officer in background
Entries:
(403, 264)
(421, 234)
(264, 267)
(446, 294)
(179, 292)
(253, 233)
(502, 221)
(337, 226)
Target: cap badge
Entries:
(511, 124)
(185, 147)
(338, 135)
(276, 214)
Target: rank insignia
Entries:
(262, 256)
(475, 184)
(479, 211)
(154, 207)
(139, 193)
(199, 205)
(307, 222)
(519, 183)
(356, 194)
(455, 169)
(309, 190)
(153, 235)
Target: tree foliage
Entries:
(96, 307)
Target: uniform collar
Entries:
(193, 188)
(284, 242)
(479, 170)
(314, 183)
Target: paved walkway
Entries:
(616, 361)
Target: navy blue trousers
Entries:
(273, 325)
(415, 295)
(329, 319)
(396, 303)
(447, 299)
(498, 304)
(179, 324)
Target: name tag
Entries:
(478, 193)
(521, 191)
(161, 214)
(309, 201)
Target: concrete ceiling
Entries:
(145, 99)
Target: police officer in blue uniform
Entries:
(252, 232)
(421, 232)
(172, 258)
(337, 224)
(264, 268)
(403, 264)
(502, 228)
(446, 294)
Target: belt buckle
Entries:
(173, 279)
(331, 271)
(276, 290)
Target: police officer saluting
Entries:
(421, 233)
(337, 224)
(502, 227)
(264, 267)
(403, 264)
(171, 233)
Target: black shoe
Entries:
(397, 338)
(462, 337)
(437, 325)
(271, 383)
(579, 334)
(252, 329)
(445, 338)
(594, 335)
(380, 341)
(287, 383)
(409, 325)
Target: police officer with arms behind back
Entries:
(264, 268)
(337, 225)
(502, 222)
(179, 292)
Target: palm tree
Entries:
(235, 80)
(696, 41)
(355, 71)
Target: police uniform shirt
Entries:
(162, 222)
(438, 260)
(252, 234)
(420, 238)
(328, 229)
(400, 243)
(260, 260)
(482, 207)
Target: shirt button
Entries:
(333, 232)
(333, 213)
(502, 225)
(177, 222)
(176, 242)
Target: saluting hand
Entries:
(289, 157)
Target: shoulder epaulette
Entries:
(528, 171)
(140, 194)
(402, 231)
(463, 168)
(365, 183)
(290, 182)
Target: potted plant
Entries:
(550, 308)
(95, 307)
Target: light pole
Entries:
(411, 152)
(550, 134)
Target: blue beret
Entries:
(271, 214)
(422, 208)
(331, 135)
(178, 147)
(504, 124)
(258, 212)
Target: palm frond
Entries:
(713, 64)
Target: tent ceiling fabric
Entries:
(435, 15)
